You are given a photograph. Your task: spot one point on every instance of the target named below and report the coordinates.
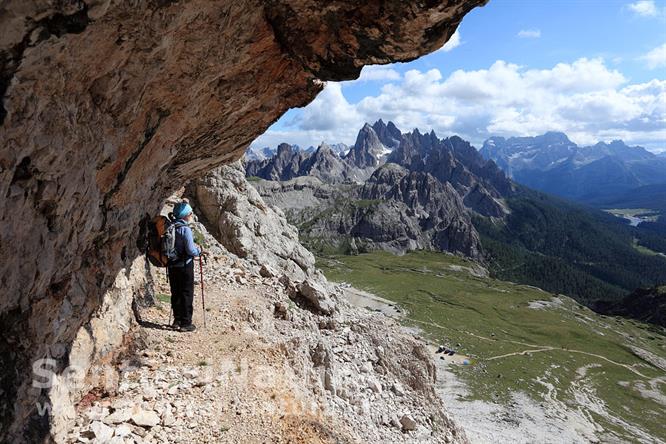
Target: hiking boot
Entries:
(190, 327)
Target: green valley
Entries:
(610, 371)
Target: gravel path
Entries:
(266, 371)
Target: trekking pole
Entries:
(170, 306)
(203, 300)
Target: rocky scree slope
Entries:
(265, 370)
(107, 107)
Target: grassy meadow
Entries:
(521, 338)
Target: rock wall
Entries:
(101, 341)
(109, 105)
(247, 227)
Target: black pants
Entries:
(181, 280)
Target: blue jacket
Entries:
(185, 245)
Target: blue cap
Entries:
(181, 210)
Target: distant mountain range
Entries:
(592, 175)
(331, 163)
(258, 154)
(390, 191)
(408, 191)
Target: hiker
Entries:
(181, 270)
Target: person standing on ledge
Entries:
(181, 270)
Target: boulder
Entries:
(408, 423)
(122, 430)
(318, 295)
(246, 226)
(119, 416)
(145, 418)
(103, 432)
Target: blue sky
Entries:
(595, 69)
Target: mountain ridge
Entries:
(554, 164)
(386, 175)
(443, 195)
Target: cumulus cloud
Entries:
(329, 111)
(453, 42)
(329, 118)
(645, 8)
(656, 58)
(529, 33)
(378, 72)
(586, 99)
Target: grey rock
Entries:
(368, 151)
(149, 393)
(168, 420)
(119, 416)
(145, 418)
(408, 423)
(317, 294)
(267, 272)
(191, 374)
(374, 385)
(122, 430)
(102, 431)
(246, 226)
(329, 383)
(398, 389)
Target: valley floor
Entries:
(541, 368)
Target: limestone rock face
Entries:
(108, 106)
(97, 344)
(246, 226)
(242, 222)
(366, 151)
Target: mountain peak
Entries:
(367, 150)
(556, 137)
(284, 149)
(324, 147)
(388, 134)
(621, 150)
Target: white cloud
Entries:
(586, 99)
(453, 42)
(645, 8)
(329, 110)
(656, 58)
(328, 118)
(529, 33)
(378, 72)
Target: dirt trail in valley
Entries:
(535, 348)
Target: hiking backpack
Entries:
(161, 241)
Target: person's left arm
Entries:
(190, 247)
